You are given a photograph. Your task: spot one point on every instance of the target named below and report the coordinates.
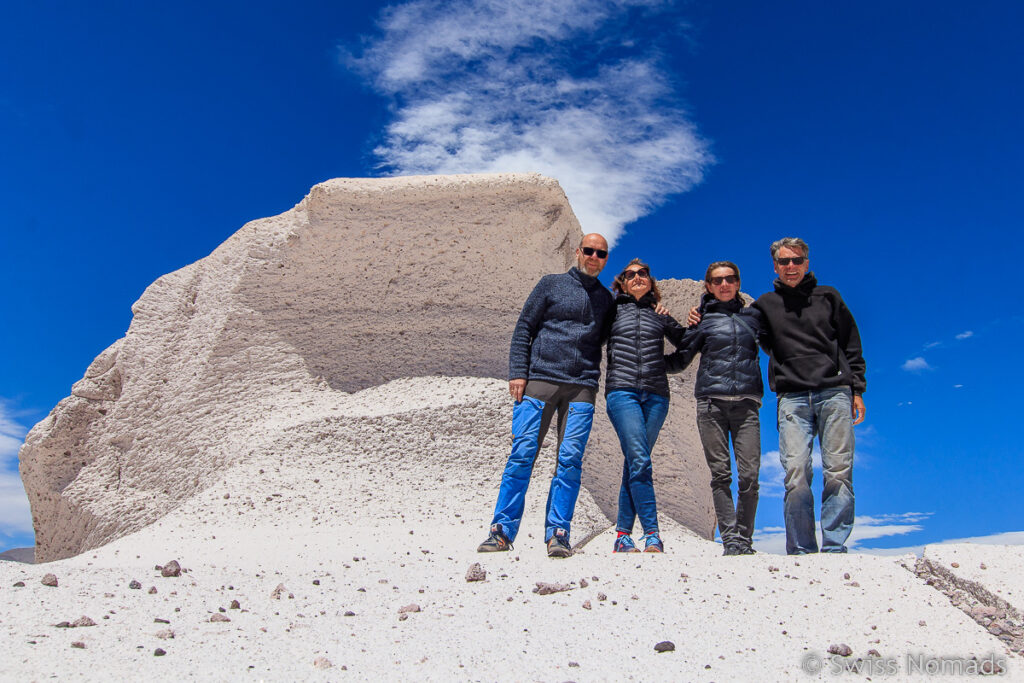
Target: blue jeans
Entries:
(530, 418)
(637, 417)
(827, 414)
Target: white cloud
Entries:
(525, 85)
(918, 364)
(967, 334)
(15, 517)
(932, 345)
(866, 527)
(14, 509)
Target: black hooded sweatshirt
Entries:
(811, 337)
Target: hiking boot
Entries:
(496, 542)
(558, 544)
(747, 549)
(731, 549)
(624, 544)
(652, 543)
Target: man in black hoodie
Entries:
(817, 372)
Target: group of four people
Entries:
(816, 369)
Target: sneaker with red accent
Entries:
(624, 544)
(652, 543)
(496, 542)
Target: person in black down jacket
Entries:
(728, 391)
(636, 394)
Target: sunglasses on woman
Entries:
(731, 279)
(630, 274)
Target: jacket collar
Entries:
(647, 300)
(584, 279)
(803, 288)
(710, 304)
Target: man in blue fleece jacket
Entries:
(554, 365)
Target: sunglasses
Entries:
(795, 260)
(731, 279)
(590, 251)
(628, 275)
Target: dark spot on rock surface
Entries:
(545, 588)
(842, 649)
(134, 585)
(19, 584)
(78, 645)
(159, 652)
(83, 621)
(235, 605)
(665, 646)
(50, 580)
(218, 617)
(172, 568)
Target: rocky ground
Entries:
(310, 562)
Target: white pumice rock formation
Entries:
(313, 489)
(363, 282)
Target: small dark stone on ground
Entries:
(172, 568)
(665, 646)
(134, 585)
(50, 580)
(159, 652)
(842, 649)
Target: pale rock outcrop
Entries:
(363, 282)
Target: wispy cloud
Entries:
(15, 518)
(918, 364)
(566, 89)
(967, 334)
(866, 527)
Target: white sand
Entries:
(410, 495)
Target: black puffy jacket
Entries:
(636, 346)
(727, 340)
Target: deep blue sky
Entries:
(135, 139)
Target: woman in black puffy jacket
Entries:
(636, 394)
(728, 392)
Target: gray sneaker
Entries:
(558, 544)
(496, 542)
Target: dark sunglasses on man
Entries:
(795, 260)
(590, 251)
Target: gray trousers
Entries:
(717, 420)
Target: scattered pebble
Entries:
(544, 588)
(235, 605)
(874, 653)
(172, 568)
(413, 607)
(78, 645)
(159, 652)
(666, 646)
(475, 572)
(574, 665)
(134, 585)
(350, 613)
(922, 623)
(165, 634)
(219, 617)
(586, 604)
(19, 584)
(82, 621)
(842, 649)
(322, 663)
(954, 565)
(846, 576)
(158, 620)
(51, 581)
(982, 566)
(278, 592)
(584, 583)
(152, 590)
(602, 597)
